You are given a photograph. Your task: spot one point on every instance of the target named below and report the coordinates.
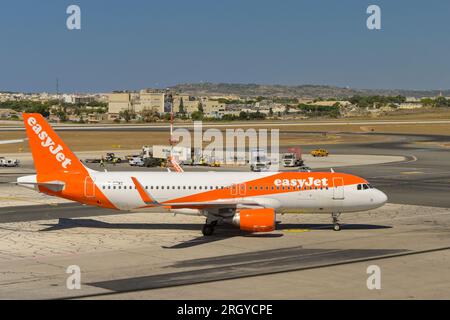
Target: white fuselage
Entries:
(118, 187)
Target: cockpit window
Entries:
(364, 186)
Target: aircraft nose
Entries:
(380, 198)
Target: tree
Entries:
(181, 107)
(149, 115)
(200, 108)
(127, 115)
(243, 115)
(197, 115)
(441, 102)
(62, 115)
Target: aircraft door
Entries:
(338, 189)
(89, 188)
(238, 189)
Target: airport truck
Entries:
(293, 158)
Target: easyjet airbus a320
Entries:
(249, 201)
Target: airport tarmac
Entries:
(156, 255)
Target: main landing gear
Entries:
(208, 228)
(336, 225)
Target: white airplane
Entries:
(248, 200)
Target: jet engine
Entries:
(255, 220)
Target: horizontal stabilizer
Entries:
(55, 186)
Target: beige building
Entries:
(410, 105)
(118, 102)
(189, 105)
(177, 100)
(151, 100)
(213, 109)
(96, 117)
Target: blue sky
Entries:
(142, 43)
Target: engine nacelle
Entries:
(255, 220)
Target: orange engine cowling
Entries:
(255, 220)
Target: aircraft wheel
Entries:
(337, 227)
(208, 230)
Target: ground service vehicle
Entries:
(291, 160)
(9, 162)
(136, 162)
(258, 160)
(319, 153)
(111, 158)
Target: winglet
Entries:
(145, 196)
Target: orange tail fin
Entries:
(50, 153)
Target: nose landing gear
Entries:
(336, 225)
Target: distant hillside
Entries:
(303, 91)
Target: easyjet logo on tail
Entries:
(47, 142)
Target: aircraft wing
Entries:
(219, 203)
(256, 202)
